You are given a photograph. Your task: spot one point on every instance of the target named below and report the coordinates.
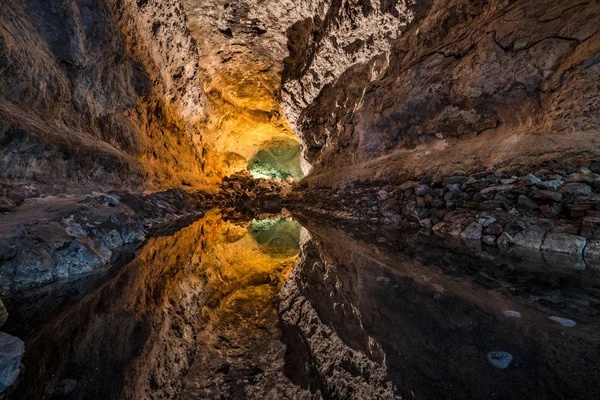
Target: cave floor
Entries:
(302, 307)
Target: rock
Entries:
(590, 227)
(564, 243)
(575, 189)
(530, 180)
(525, 204)
(383, 195)
(500, 359)
(504, 241)
(493, 229)
(68, 386)
(11, 352)
(408, 185)
(7, 205)
(591, 254)
(530, 239)
(569, 323)
(388, 207)
(496, 189)
(546, 195)
(112, 201)
(456, 228)
(3, 314)
(426, 223)
(487, 221)
(490, 240)
(551, 210)
(553, 185)
(511, 314)
(421, 190)
(472, 232)
(453, 180)
(588, 177)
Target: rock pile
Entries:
(549, 211)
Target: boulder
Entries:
(11, 352)
(575, 189)
(564, 243)
(472, 232)
(530, 239)
(591, 254)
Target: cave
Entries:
(310, 199)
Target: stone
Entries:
(546, 195)
(530, 239)
(575, 189)
(383, 195)
(553, 185)
(525, 204)
(472, 232)
(591, 254)
(530, 180)
(426, 223)
(564, 243)
(504, 241)
(590, 227)
(495, 189)
(421, 190)
(493, 229)
(490, 240)
(569, 323)
(388, 207)
(112, 200)
(456, 228)
(500, 359)
(551, 210)
(453, 180)
(11, 352)
(588, 177)
(487, 221)
(408, 185)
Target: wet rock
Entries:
(11, 352)
(530, 239)
(472, 232)
(500, 359)
(569, 323)
(575, 189)
(564, 243)
(79, 258)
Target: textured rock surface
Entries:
(465, 86)
(102, 92)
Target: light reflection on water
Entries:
(227, 309)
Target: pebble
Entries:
(499, 359)
(569, 323)
(511, 314)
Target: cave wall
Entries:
(99, 92)
(518, 75)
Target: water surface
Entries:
(266, 309)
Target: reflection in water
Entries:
(228, 310)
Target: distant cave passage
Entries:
(278, 158)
